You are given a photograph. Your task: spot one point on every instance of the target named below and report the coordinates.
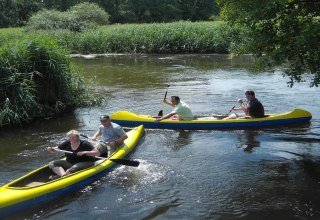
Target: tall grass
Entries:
(37, 80)
(11, 34)
(177, 37)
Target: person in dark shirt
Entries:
(253, 108)
(81, 157)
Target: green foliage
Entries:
(90, 12)
(37, 80)
(10, 34)
(78, 18)
(15, 13)
(177, 37)
(53, 20)
(146, 11)
(282, 32)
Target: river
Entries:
(270, 173)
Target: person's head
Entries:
(175, 100)
(250, 94)
(105, 120)
(73, 135)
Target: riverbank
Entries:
(165, 38)
(178, 37)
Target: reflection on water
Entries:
(269, 173)
(248, 140)
(179, 139)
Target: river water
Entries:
(270, 173)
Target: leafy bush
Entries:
(37, 80)
(53, 20)
(90, 12)
(78, 18)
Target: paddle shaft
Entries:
(132, 163)
(70, 152)
(165, 96)
(86, 136)
(231, 110)
(218, 116)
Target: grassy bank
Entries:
(38, 80)
(177, 37)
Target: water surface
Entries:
(270, 173)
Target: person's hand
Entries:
(113, 144)
(240, 101)
(165, 102)
(50, 149)
(81, 153)
(157, 120)
(92, 138)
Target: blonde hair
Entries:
(74, 132)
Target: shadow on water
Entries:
(248, 140)
(181, 139)
(278, 182)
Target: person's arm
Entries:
(122, 138)
(96, 135)
(87, 149)
(164, 117)
(52, 149)
(94, 152)
(244, 107)
(61, 146)
(168, 103)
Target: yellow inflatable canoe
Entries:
(128, 119)
(35, 187)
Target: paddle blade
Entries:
(132, 163)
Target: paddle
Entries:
(120, 161)
(132, 163)
(165, 96)
(231, 110)
(86, 136)
(215, 115)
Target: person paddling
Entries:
(112, 134)
(253, 108)
(81, 157)
(181, 110)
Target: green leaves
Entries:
(286, 31)
(37, 80)
(78, 18)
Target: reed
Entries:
(38, 80)
(177, 37)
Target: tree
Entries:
(283, 32)
(198, 10)
(60, 5)
(15, 12)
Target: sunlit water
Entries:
(271, 173)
